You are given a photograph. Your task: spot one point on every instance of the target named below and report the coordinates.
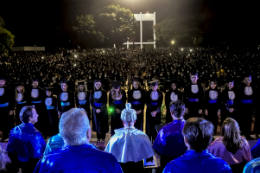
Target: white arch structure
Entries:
(144, 17)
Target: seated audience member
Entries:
(255, 151)
(169, 142)
(197, 134)
(253, 166)
(231, 147)
(77, 155)
(2, 161)
(54, 143)
(129, 145)
(26, 145)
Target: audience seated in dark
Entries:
(231, 147)
(169, 143)
(2, 161)
(54, 143)
(130, 145)
(78, 155)
(197, 134)
(26, 145)
(253, 166)
(255, 151)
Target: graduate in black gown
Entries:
(21, 99)
(171, 96)
(98, 101)
(6, 108)
(136, 97)
(153, 100)
(212, 103)
(245, 106)
(65, 99)
(193, 97)
(37, 96)
(52, 119)
(117, 100)
(82, 97)
(229, 101)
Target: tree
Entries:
(85, 30)
(117, 23)
(182, 31)
(6, 38)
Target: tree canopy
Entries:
(6, 38)
(181, 31)
(118, 21)
(85, 30)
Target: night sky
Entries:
(48, 22)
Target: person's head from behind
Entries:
(28, 114)
(74, 127)
(231, 134)
(197, 134)
(128, 116)
(177, 110)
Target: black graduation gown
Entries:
(82, 101)
(65, 101)
(99, 120)
(193, 101)
(169, 97)
(153, 105)
(38, 101)
(212, 104)
(20, 102)
(245, 109)
(116, 121)
(229, 100)
(6, 104)
(137, 99)
(52, 119)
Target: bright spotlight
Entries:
(173, 42)
(181, 49)
(75, 56)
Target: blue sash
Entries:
(82, 102)
(193, 99)
(50, 107)
(247, 101)
(213, 101)
(19, 103)
(37, 101)
(136, 102)
(154, 103)
(230, 102)
(118, 102)
(4, 105)
(65, 103)
(98, 104)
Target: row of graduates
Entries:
(231, 102)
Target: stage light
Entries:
(75, 65)
(191, 50)
(173, 42)
(75, 56)
(110, 110)
(42, 57)
(170, 54)
(181, 49)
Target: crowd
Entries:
(211, 82)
